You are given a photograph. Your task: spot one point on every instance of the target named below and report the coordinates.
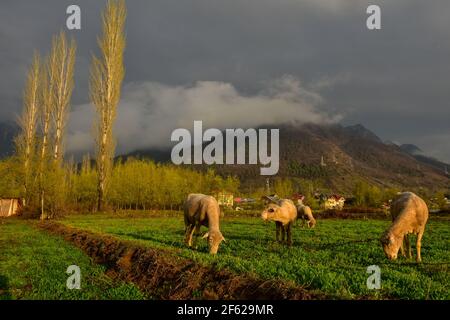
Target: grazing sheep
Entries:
(305, 213)
(284, 214)
(200, 209)
(409, 215)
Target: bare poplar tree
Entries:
(107, 73)
(57, 86)
(47, 104)
(46, 109)
(64, 59)
(26, 141)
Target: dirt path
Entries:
(162, 275)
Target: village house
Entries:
(10, 206)
(333, 202)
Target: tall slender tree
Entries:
(26, 141)
(46, 107)
(57, 86)
(64, 65)
(107, 73)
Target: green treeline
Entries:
(134, 184)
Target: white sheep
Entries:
(409, 214)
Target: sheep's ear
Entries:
(205, 236)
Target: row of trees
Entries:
(46, 102)
(371, 196)
(144, 184)
(134, 184)
(47, 94)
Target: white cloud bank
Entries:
(149, 111)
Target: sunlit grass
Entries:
(332, 258)
(33, 265)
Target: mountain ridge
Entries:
(350, 153)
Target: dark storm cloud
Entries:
(395, 80)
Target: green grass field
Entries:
(33, 265)
(331, 259)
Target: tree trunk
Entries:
(100, 197)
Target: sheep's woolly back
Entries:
(284, 211)
(409, 214)
(202, 208)
(305, 211)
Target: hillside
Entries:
(349, 153)
(420, 156)
(355, 152)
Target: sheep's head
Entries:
(271, 212)
(214, 239)
(391, 244)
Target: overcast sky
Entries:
(238, 63)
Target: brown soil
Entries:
(162, 275)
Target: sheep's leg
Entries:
(196, 234)
(278, 230)
(188, 235)
(402, 248)
(418, 245)
(283, 232)
(191, 236)
(289, 234)
(408, 247)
